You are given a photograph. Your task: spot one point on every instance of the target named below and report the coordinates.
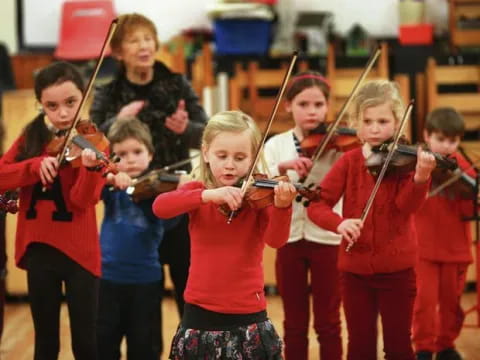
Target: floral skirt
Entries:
(257, 341)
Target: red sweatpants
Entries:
(438, 317)
(294, 262)
(389, 295)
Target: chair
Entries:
(255, 89)
(173, 55)
(83, 29)
(466, 103)
(342, 80)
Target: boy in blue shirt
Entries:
(130, 286)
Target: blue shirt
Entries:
(130, 237)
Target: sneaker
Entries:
(424, 355)
(448, 354)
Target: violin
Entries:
(343, 140)
(455, 182)
(152, 184)
(9, 202)
(88, 137)
(403, 161)
(62, 145)
(157, 181)
(260, 194)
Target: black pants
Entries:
(133, 311)
(175, 252)
(47, 269)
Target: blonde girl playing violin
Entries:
(57, 237)
(377, 274)
(311, 252)
(225, 315)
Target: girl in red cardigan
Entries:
(377, 275)
(224, 315)
(57, 238)
(444, 242)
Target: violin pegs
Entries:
(298, 198)
(306, 203)
(115, 158)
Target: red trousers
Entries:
(293, 264)
(438, 317)
(389, 295)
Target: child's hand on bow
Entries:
(350, 229)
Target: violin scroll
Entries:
(9, 202)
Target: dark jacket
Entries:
(162, 95)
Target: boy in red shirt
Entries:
(444, 241)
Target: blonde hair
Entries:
(128, 23)
(374, 93)
(226, 121)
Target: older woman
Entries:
(166, 102)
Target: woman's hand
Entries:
(301, 165)
(89, 158)
(232, 196)
(131, 109)
(48, 170)
(178, 121)
(425, 164)
(350, 229)
(285, 192)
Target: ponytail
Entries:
(36, 135)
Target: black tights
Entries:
(47, 269)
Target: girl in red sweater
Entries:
(444, 242)
(224, 315)
(377, 275)
(57, 238)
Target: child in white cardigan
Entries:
(309, 248)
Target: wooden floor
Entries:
(17, 341)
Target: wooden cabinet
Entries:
(461, 13)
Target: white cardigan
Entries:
(280, 148)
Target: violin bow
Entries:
(61, 155)
(279, 97)
(331, 130)
(166, 168)
(381, 175)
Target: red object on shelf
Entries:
(420, 34)
(267, 2)
(83, 29)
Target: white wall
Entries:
(8, 24)
(379, 17)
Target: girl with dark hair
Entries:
(57, 238)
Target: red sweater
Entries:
(72, 229)
(226, 272)
(387, 242)
(442, 235)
